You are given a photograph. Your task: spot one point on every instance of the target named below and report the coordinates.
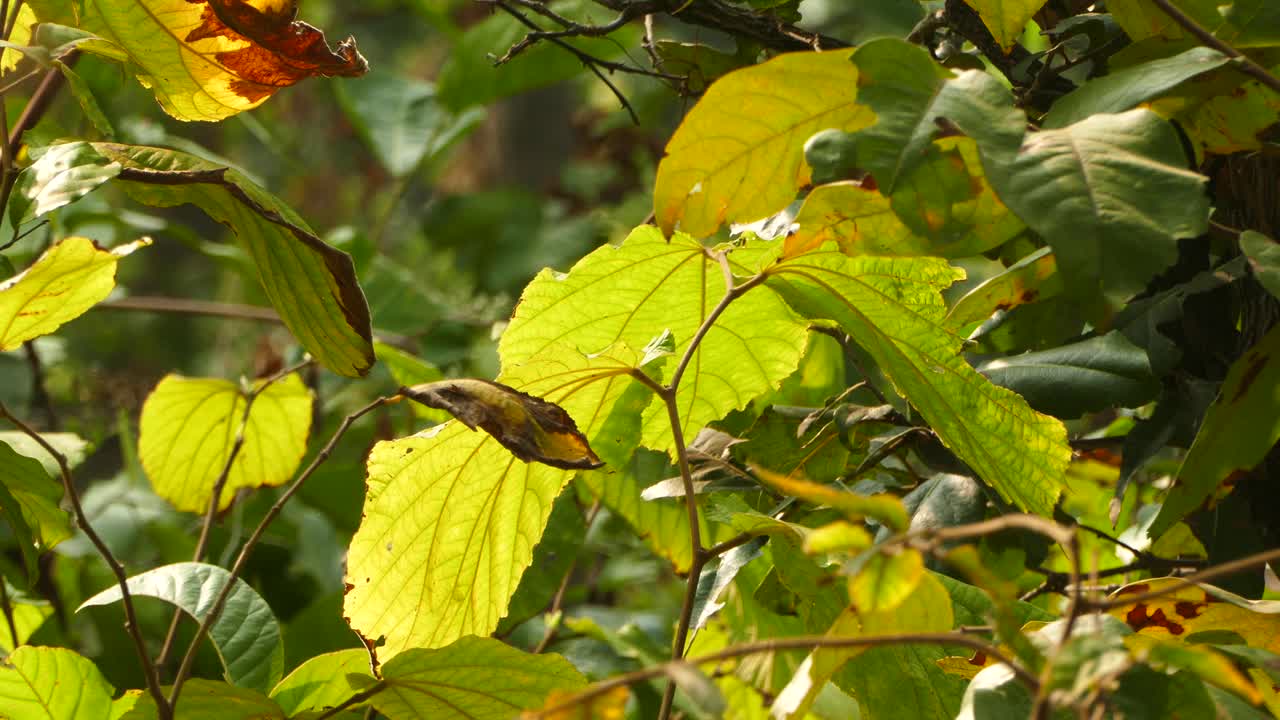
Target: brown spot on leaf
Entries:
(1188, 609)
(278, 51)
(979, 658)
(1139, 619)
(1257, 363)
(1029, 295)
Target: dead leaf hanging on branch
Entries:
(533, 429)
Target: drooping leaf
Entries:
(471, 678)
(311, 285)
(645, 288)
(1101, 372)
(61, 175)
(443, 505)
(892, 309)
(68, 279)
(1006, 19)
(321, 682)
(48, 683)
(246, 634)
(533, 429)
(738, 156)
(210, 59)
(1237, 431)
(1032, 278)
(1264, 259)
(189, 426)
(1129, 87)
(210, 700)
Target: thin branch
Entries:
(810, 642)
(163, 706)
(206, 528)
(1217, 571)
(216, 608)
(1202, 34)
(7, 608)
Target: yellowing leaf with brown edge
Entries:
(68, 279)
(1197, 608)
(739, 154)
(530, 427)
(1006, 19)
(210, 59)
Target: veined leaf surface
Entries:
(48, 683)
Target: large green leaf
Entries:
(892, 309)
(1238, 431)
(312, 286)
(321, 682)
(451, 517)
(649, 286)
(189, 426)
(210, 700)
(1006, 19)
(208, 59)
(739, 154)
(246, 634)
(471, 679)
(1111, 194)
(68, 279)
(62, 174)
(45, 683)
(1129, 87)
(1101, 372)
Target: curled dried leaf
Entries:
(533, 429)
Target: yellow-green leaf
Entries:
(20, 35)
(883, 507)
(1198, 608)
(68, 279)
(739, 154)
(210, 59)
(1006, 19)
(46, 683)
(189, 427)
(883, 582)
(27, 618)
(321, 681)
(210, 700)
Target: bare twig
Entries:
(206, 528)
(811, 642)
(216, 608)
(163, 707)
(1202, 34)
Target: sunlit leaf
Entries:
(1195, 609)
(610, 705)
(738, 156)
(59, 176)
(883, 507)
(321, 682)
(1237, 432)
(471, 678)
(451, 517)
(210, 700)
(27, 618)
(1208, 665)
(189, 426)
(892, 309)
(883, 582)
(46, 683)
(311, 285)
(19, 35)
(839, 536)
(1006, 19)
(210, 59)
(68, 279)
(1034, 277)
(533, 429)
(645, 288)
(246, 634)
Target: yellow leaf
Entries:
(611, 705)
(1006, 19)
(20, 35)
(739, 154)
(68, 279)
(530, 427)
(883, 507)
(1196, 608)
(210, 59)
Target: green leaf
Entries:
(29, 489)
(188, 429)
(1129, 87)
(649, 286)
(27, 618)
(210, 700)
(943, 500)
(402, 121)
(1264, 259)
(407, 369)
(84, 96)
(443, 505)
(910, 93)
(68, 279)
(1237, 431)
(882, 507)
(471, 678)
(321, 682)
(311, 285)
(1257, 22)
(883, 582)
(892, 309)
(739, 154)
(1034, 277)
(246, 634)
(61, 175)
(1006, 19)
(1111, 194)
(196, 64)
(1102, 372)
(45, 683)
(554, 556)
(994, 694)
